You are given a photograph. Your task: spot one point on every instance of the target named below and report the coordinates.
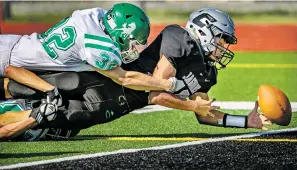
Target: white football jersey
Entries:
(73, 44)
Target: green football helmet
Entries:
(129, 26)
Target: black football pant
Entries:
(88, 98)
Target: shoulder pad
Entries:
(176, 42)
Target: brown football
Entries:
(274, 105)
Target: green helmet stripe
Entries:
(101, 47)
(104, 39)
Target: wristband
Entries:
(173, 83)
(234, 121)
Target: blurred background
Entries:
(266, 32)
(159, 11)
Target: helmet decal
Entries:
(202, 20)
(126, 29)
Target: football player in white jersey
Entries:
(88, 40)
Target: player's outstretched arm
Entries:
(201, 107)
(14, 129)
(252, 120)
(136, 80)
(164, 69)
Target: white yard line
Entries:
(230, 105)
(142, 149)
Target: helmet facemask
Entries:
(132, 53)
(214, 46)
(219, 46)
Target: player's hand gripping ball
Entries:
(274, 105)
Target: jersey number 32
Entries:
(62, 41)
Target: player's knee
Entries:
(65, 81)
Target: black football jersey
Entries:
(187, 57)
(184, 53)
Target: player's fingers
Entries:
(264, 120)
(211, 114)
(267, 122)
(214, 107)
(262, 117)
(264, 128)
(212, 100)
(256, 106)
(209, 102)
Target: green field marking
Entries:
(166, 124)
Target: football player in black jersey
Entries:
(190, 55)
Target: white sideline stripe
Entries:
(230, 105)
(142, 149)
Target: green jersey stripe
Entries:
(101, 47)
(104, 39)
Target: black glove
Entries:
(45, 112)
(54, 97)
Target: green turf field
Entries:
(241, 84)
(235, 84)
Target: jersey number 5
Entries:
(55, 40)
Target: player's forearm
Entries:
(28, 78)
(15, 129)
(135, 80)
(172, 101)
(145, 82)
(224, 120)
(212, 121)
(13, 116)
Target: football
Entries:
(274, 105)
